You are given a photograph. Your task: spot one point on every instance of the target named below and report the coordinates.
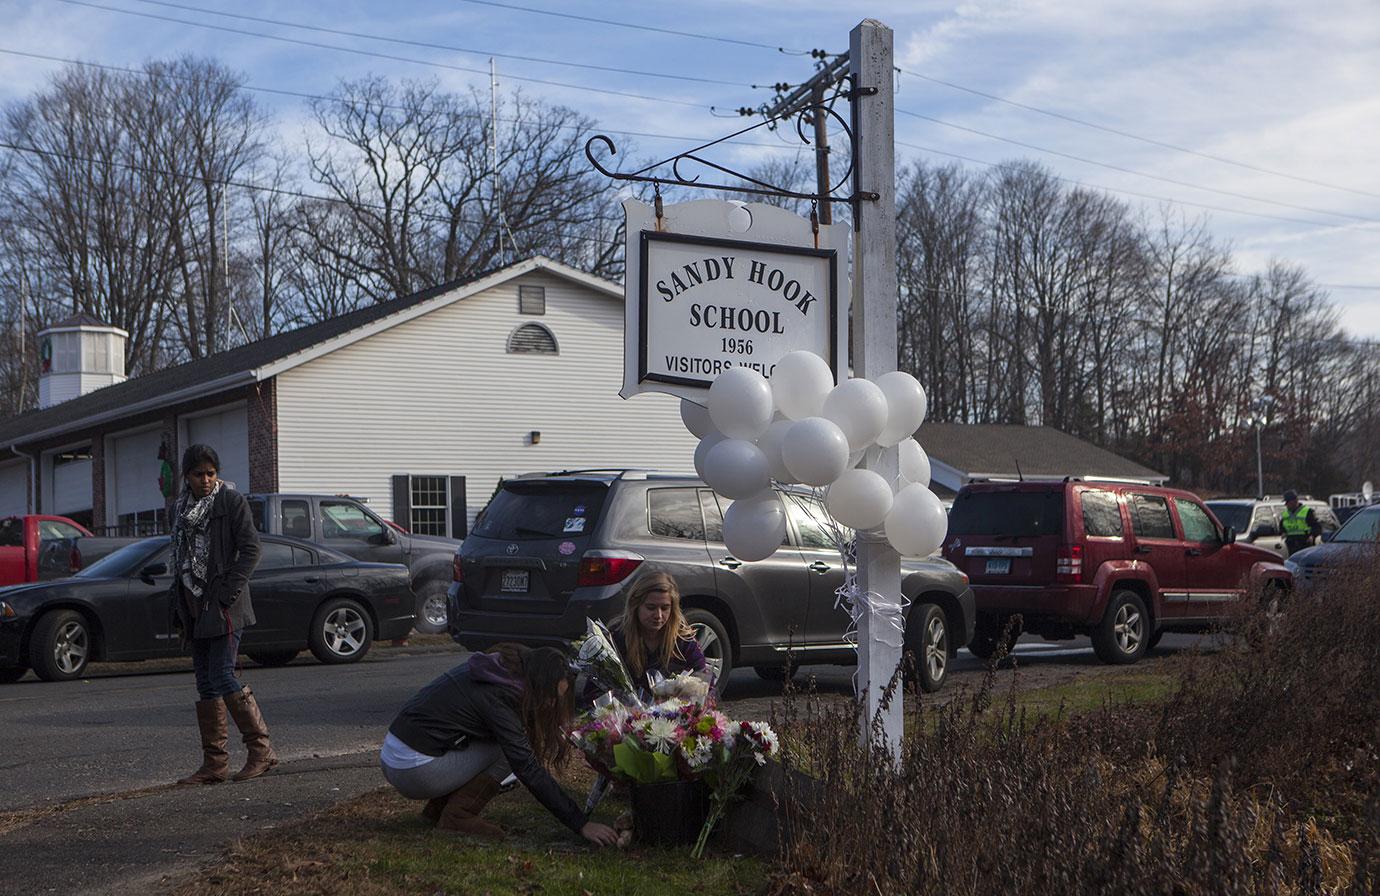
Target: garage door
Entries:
(136, 472)
(228, 433)
(71, 487)
(14, 491)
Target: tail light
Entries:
(1068, 566)
(74, 560)
(457, 571)
(599, 568)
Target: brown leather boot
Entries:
(461, 813)
(215, 762)
(245, 711)
(433, 809)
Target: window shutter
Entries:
(459, 508)
(402, 502)
(531, 300)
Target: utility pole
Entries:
(812, 93)
(500, 224)
(881, 629)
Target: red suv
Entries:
(1121, 563)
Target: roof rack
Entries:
(617, 472)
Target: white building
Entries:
(419, 406)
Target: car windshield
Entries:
(1016, 514)
(1363, 527)
(1235, 516)
(542, 509)
(125, 560)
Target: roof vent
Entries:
(79, 355)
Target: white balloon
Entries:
(740, 403)
(771, 443)
(712, 438)
(755, 527)
(696, 418)
(914, 463)
(860, 499)
(736, 469)
(799, 384)
(858, 406)
(815, 451)
(917, 522)
(905, 406)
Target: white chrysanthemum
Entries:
(661, 735)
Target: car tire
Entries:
(60, 645)
(927, 640)
(10, 676)
(987, 636)
(272, 658)
(341, 632)
(714, 641)
(432, 614)
(781, 673)
(1123, 635)
(1154, 639)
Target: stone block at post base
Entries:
(755, 826)
(671, 813)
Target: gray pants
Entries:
(448, 772)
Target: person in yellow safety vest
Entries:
(1300, 523)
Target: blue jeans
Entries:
(214, 662)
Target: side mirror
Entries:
(153, 571)
(382, 538)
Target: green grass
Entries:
(1096, 693)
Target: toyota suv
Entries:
(1258, 522)
(551, 550)
(1121, 563)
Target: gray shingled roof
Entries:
(205, 371)
(994, 450)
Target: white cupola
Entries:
(78, 355)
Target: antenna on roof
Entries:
(1019, 475)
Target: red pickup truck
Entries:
(1121, 563)
(35, 548)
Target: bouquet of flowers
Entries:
(598, 658)
(753, 744)
(688, 685)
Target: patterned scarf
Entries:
(191, 543)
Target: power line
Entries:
(435, 46)
(344, 102)
(1184, 202)
(442, 65)
(652, 28)
(1150, 140)
(1131, 171)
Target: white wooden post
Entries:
(874, 353)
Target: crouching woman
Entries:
(458, 737)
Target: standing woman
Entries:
(460, 735)
(214, 551)
(653, 635)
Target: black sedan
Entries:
(118, 610)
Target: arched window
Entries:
(533, 338)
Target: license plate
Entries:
(998, 566)
(514, 581)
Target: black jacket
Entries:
(225, 604)
(456, 706)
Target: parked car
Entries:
(1257, 522)
(346, 525)
(1355, 540)
(36, 547)
(551, 550)
(119, 609)
(1121, 563)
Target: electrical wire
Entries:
(1130, 136)
(1131, 171)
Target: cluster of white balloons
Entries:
(799, 428)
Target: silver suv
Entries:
(552, 549)
(1258, 522)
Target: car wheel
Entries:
(1124, 633)
(1154, 639)
(432, 614)
(988, 636)
(60, 646)
(714, 641)
(10, 676)
(341, 632)
(273, 657)
(927, 638)
(783, 672)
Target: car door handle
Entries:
(730, 562)
(1142, 549)
(312, 580)
(1194, 552)
(820, 566)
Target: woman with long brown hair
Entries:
(453, 742)
(653, 635)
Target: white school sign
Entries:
(712, 285)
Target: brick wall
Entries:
(262, 418)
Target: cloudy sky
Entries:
(1280, 94)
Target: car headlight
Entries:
(6, 611)
(1293, 568)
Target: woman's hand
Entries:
(599, 834)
